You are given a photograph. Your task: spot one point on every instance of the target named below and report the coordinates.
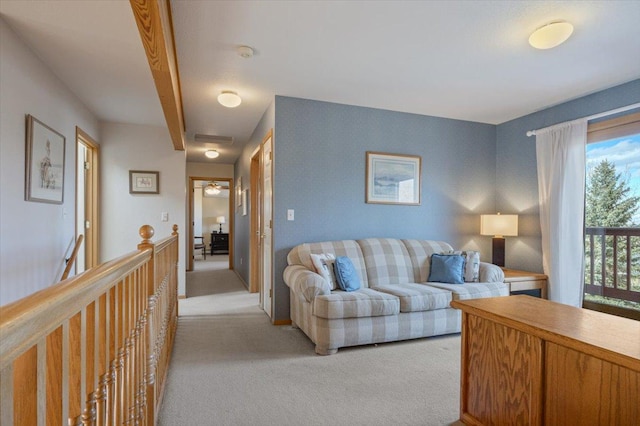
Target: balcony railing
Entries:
(612, 263)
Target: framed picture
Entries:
(393, 179)
(144, 182)
(44, 180)
(244, 202)
(239, 192)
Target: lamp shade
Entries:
(221, 219)
(499, 225)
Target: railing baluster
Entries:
(615, 261)
(92, 350)
(614, 287)
(629, 253)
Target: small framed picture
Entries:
(144, 182)
(393, 179)
(44, 180)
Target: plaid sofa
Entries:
(395, 301)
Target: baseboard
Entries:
(182, 296)
(241, 279)
(282, 322)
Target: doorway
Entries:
(211, 218)
(87, 196)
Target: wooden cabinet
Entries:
(523, 280)
(219, 243)
(529, 361)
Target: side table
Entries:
(523, 280)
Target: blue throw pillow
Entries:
(447, 269)
(346, 274)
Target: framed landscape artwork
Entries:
(44, 180)
(393, 179)
(144, 182)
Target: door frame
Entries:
(255, 269)
(192, 180)
(257, 222)
(91, 197)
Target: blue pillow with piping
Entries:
(446, 268)
(346, 274)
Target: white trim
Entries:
(591, 117)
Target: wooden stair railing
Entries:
(93, 349)
(73, 257)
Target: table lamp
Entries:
(499, 225)
(220, 220)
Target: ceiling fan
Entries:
(214, 188)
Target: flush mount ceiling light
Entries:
(551, 35)
(229, 99)
(245, 51)
(212, 153)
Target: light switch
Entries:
(290, 214)
(164, 217)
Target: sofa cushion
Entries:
(473, 290)
(387, 261)
(447, 268)
(472, 266)
(420, 252)
(355, 304)
(301, 255)
(323, 264)
(418, 297)
(346, 275)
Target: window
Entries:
(612, 216)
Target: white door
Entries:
(82, 222)
(267, 225)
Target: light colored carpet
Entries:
(230, 366)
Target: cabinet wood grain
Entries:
(530, 361)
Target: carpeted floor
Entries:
(230, 366)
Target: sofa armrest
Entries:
(308, 283)
(490, 273)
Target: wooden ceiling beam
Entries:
(153, 18)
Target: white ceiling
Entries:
(455, 59)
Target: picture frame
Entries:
(238, 194)
(144, 182)
(244, 202)
(393, 178)
(45, 159)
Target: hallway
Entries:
(213, 289)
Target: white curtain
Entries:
(561, 184)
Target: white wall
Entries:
(33, 236)
(212, 207)
(127, 147)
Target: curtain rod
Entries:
(591, 117)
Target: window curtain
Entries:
(560, 152)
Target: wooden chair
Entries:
(200, 246)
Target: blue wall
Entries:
(516, 172)
(320, 151)
(242, 225)
(467, 169)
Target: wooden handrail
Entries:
(93, 349)
(72, 259)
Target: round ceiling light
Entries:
(212, 153)
(229, 99)
(551, 35)
(245, 51)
